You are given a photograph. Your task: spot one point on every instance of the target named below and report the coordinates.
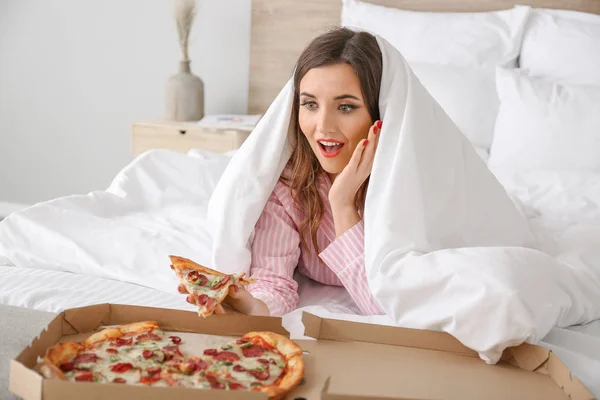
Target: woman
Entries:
(313, 218)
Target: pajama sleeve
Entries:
(345, 256)
(275, 255)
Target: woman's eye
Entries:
(346, 108)
(310, 105)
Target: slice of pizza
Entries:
(259, 361)
(132, 353)
(207, 286)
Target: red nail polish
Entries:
(379, 123)
(366, 142)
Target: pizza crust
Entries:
(56, 356)
(293, 357)
(181, 263)
(62, 353)
(123, 330)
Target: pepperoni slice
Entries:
(197, 278)
(175, 339)
(239, 368)
(85, 358)
(193, 276)
(210, 352)
(121, 367)
(260, 375)
(66, 367)
(147, 337)
(85, 376)
(194, 365)
(147, 354)
(153, 370)
(222, 283)
(123, 342)
(119, 380)
(214, 383)
(241, 341)
(202, 299)
(253, 351)
(112, 351)
(172, 350)
(198, 364)
(236, 386)
(150, 379)
(226, 356)
(263, 361)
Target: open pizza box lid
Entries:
(348, 360)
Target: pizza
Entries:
(208, 287)
(141, 354)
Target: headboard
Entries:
(282, 28)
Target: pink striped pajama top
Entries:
(276, 253)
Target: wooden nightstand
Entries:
(182, 137)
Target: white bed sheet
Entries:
(577, 346)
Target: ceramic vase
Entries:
(184, 95)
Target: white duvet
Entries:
(445, 245)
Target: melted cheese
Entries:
(250, 364)
(207, 289)
(125, 354)
(134, 355)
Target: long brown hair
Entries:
(342, 45)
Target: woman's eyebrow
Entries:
(346, 96)
(343, 96)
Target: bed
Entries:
(81, 252)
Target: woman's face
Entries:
(333, 115)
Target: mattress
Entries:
(54, 291)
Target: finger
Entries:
(226, 308)
(182, 289)
(190, 299)
(220, 310)
(357, 155)
(241, 303)
(369, 151)
(234, 291)
(377, 131)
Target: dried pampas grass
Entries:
(185, 11)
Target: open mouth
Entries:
(330, 149)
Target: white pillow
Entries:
(545, 125)
(484, 38)
(467, 94)
(563, 45)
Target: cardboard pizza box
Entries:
(344, 360)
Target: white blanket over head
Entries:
(445, 246)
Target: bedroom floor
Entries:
(20, 327)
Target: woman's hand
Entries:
(238, 301)
(346, 184)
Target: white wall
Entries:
(74, 76)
